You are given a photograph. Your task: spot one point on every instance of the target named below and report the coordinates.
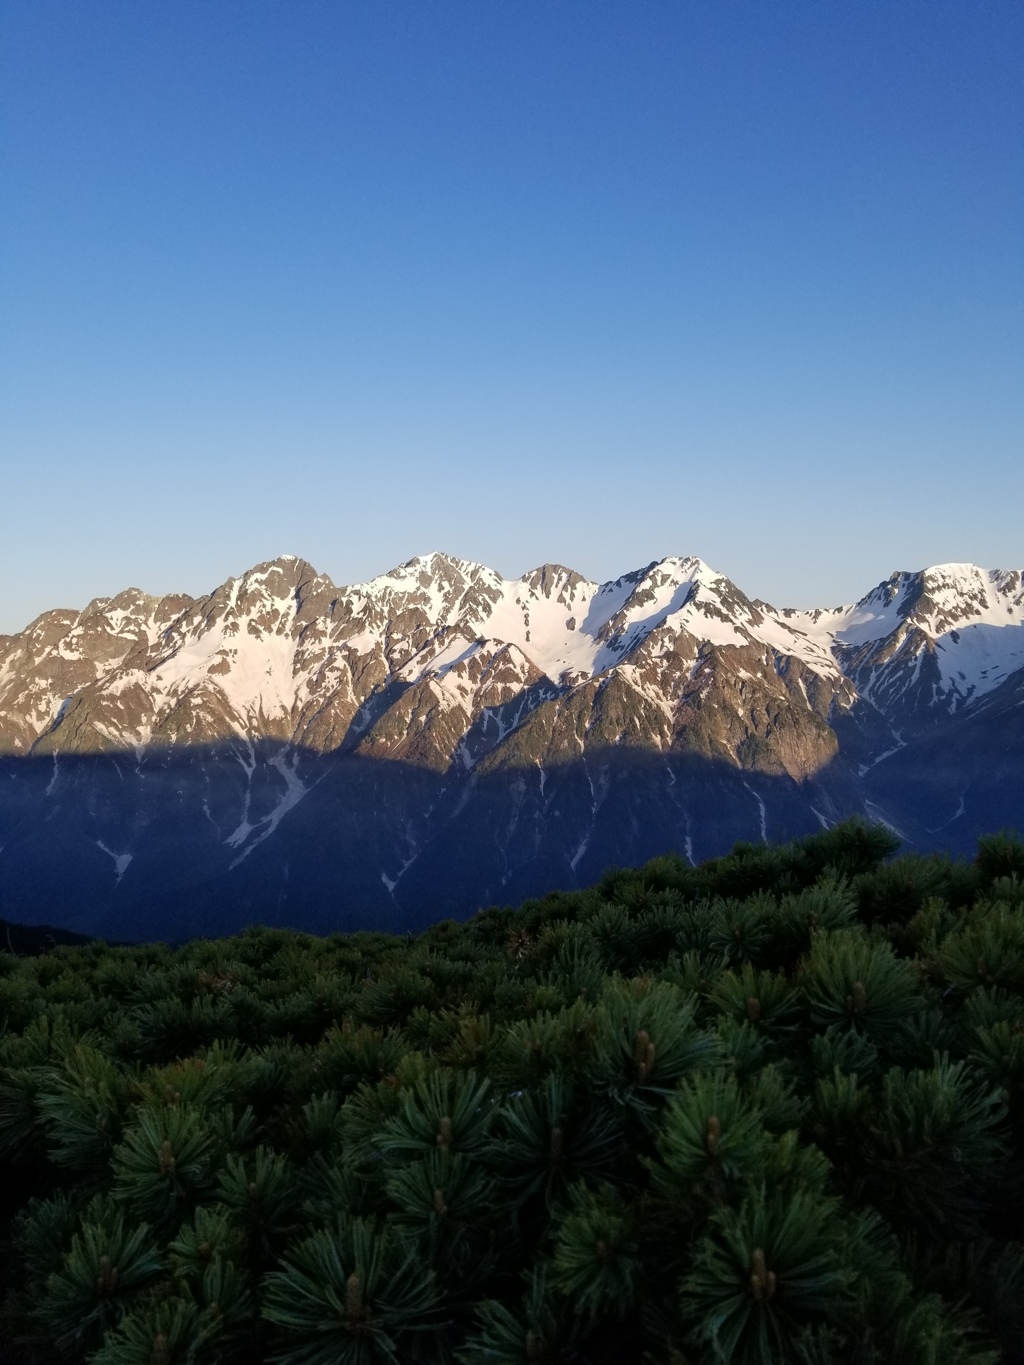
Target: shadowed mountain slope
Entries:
(288, 750)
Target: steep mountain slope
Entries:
(441, 736)
(281, 653)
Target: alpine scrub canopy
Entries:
(766, 1111)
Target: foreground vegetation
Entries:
(768, 1109)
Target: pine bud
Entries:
(106, 1280)
(167, 1158)
(354, 1305)
(536, 1347)
(161, 1352)
(440, 1207)
(753, 1008)
(205, 1250)
(602, 1250)
(762, 1280)
(556, 1146)
(714, 1132)
(445, 1133)
(643, 1056)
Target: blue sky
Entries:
(523, 281)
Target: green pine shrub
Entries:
(352, 1296)
(765, 1110)
(762, 1273)
(108, 1264)
(165, 1165)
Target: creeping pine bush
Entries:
(765, 1111)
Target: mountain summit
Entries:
(564, 723)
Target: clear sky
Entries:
(592, 281)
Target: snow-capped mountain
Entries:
(536, 729)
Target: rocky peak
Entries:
(434, 586)
(948, 596)
(278, 579)
(681, 595)
(929, 643)
(555, 580)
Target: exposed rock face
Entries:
(416, 662)
(530, 730)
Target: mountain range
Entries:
(441, 738)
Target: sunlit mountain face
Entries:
(440, 738)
